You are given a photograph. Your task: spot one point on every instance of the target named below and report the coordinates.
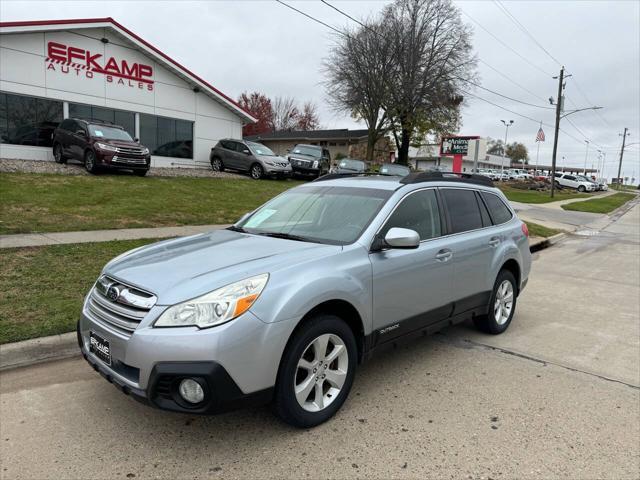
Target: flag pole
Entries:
(538, 152)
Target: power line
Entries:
(310, 17)
(512, 80)
(505, 45)
(507, 97)
(524, 29)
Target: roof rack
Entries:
(333, 176)
(96, 120)
(420, 177)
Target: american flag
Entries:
(540, 135)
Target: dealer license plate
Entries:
(100, 347)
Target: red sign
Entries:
(83, 62)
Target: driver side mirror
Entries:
(80, 132)
(402, 238)
(136, 139)
(246, 151)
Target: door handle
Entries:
(444, 255)
(494, 242)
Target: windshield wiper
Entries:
(233, 228)
(286, 236)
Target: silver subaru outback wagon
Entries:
(282, 306)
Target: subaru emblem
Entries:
(113, 293)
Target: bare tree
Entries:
(307, 118)
(433, 57)
(285, 114)
(358, 70)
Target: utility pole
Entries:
(624, 138)
(555, 137)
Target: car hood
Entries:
(303, 156)
(184, 268)
(119, 143)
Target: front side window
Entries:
(464, 213)
(497, 209)
(333, 215)
(418, 211)
(28, 120)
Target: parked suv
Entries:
(574, 181)
(309, 160)
(251, 157)
(283, 305)
(349, 165)
(99, 145)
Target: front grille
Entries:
(164, 387)
(120, 306)
(129, 160)
(135, 152)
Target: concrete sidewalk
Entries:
(40, 239)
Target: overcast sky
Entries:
(262, 45)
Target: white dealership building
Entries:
(98, 69)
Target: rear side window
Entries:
(498, 210)
(418, 211)
(463, 209)
(227, 144)
(569, 177)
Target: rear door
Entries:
(412, 288)
(228, 150)
(473, 244)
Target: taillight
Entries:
(525, 229)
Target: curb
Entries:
(547, 242)
(37, 350)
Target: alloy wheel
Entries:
(504, 302)
(321, 372)
(57, 153)
(256, 172)
(216, 164)
(89, 162)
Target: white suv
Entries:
(574, 181)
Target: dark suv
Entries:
(99, 145)
(309, 160)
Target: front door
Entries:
(412, 288)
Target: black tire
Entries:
(256, 171)
(286, 405)
(58, 155)
(488, 323)
(217, 165)
(140, 173)
(581, 189)
(90, 161)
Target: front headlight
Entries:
(106, 146)
(217, 307)
(269, 162)
(315, 164)
(145, 151)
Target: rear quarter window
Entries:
(499, 212)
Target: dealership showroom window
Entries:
(28, 120)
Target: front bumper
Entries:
(236, 363)
(114, 160)
(276, 171)
(305, 171)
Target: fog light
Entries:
(191, 391)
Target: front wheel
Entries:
(581, 189)
(90, 162)
(58, 155)
(502, 305)
(256, 171)
(316, 372)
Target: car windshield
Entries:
(332, 215)
(311, 151)
(355, 165)
(111, 133)
(259, 149)
(389, 169)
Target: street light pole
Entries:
(586, 156)
(504, 148)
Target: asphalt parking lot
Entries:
(558, 395)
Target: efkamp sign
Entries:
(455, 145)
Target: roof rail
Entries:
(419, 177)
(333, 176)
(96, 120)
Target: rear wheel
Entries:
(217, 165)
(502, 305)
(256, 171)
(58, 155)
(90, 162)
(316, 372)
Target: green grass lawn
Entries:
(533, 196)
(58, 203)
(537, 230)
(601, 205)
(43, 287)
